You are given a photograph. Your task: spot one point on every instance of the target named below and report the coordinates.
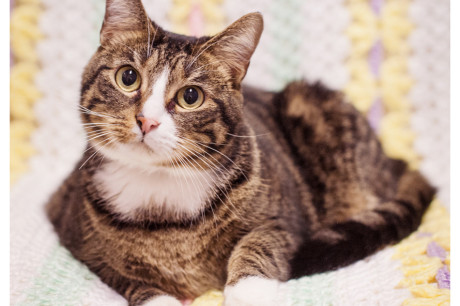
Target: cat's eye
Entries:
(128, 78)
(190, 97)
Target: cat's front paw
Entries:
(163, 300)
(252, 291)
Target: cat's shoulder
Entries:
(294, 92)
(301, 92)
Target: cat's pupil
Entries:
(190, 95)
(129, 77)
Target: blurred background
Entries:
(390, 57)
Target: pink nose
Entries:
(146, 124)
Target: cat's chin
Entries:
(138, 155)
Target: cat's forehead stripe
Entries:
(154, 106)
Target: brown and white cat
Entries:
(192, 181)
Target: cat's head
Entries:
(150, 96)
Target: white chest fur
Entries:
(170, 192)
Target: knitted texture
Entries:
(396, 134)
(425, 255)
(24, 37)
(429, 67)
(293, 44)
(362, 32)
(370, 49)
(379, 79)
(197, 17)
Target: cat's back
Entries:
(301, 102)
(329, 143)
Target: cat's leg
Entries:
(257, 265)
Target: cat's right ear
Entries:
(235, 45)
(121, 17)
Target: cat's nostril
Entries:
(139, 123)
(146, 124)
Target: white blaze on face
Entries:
(161, 140)
(154, 107)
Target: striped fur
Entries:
(298, 181)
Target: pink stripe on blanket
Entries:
(196, 21)
(375, 114)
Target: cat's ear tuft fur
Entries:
(122, 16)
(235, 45)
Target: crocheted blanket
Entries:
(390, 57)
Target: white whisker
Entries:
(199, 54)
(213, 168)
(202, 67)
(202, 173)
(99, 135)
(176, 172)
(93, 146)
(88, 111)
(97, 151)
(183, 163)
(99, 123)
(217, 151)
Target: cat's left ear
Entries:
(122, 16)
(235, 45)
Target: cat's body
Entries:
(282, 185)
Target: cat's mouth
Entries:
(158, 148)
(147, 147)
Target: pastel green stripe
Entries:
(62, 281)
(287, 37)
(97, 18)
(316, 290)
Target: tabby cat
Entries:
(192, 181)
